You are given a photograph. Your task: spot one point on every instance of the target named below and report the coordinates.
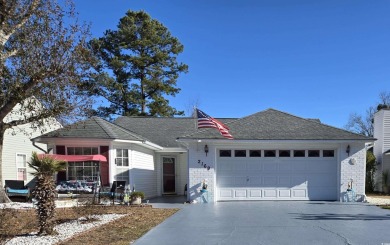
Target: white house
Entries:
(273, 156)
(382, 145)
(18, 147)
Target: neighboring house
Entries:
(382, 145)
(273, 156)
(18, 147)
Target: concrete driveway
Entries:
(270, 222)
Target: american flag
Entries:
(205, 121)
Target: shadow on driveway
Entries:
(332, 216)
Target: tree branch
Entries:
(4, 36)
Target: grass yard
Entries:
(137, 222)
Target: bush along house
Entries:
(270, 155)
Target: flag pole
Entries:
(195, 115)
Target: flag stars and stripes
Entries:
(205, 121)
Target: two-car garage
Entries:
(276, 175)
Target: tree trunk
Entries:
(3, 196)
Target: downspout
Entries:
(45, 151)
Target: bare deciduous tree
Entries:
(364, 124)
(44, 58)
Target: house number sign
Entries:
(204, 165)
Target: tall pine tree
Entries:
(138, 68)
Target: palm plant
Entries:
(45, 167)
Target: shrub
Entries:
(136, 194)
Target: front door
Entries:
(169, 175)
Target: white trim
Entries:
(223, 141)
(144, 143)
(172, 150)
(17, 165)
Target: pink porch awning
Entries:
(77, 158)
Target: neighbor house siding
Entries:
(143, 171)
(386, 131)
(378, 134)
(18, 143)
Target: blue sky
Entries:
(314, 59)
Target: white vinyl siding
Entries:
(143, 171)
(386, 131)
(19, 142)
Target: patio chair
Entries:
(17, 188)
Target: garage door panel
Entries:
(223, 181)
(254, 181)
(239, 193)
(284, 181)
(270, 167)
(270, 193)
(240, 181)
(224, 193)
(324, 180)
(284, 193)
(299, 193)
(298, 167)
(299, 180)
(270, 181)
(226, 167)
(321, 167)
(284, 167)
(277, 179)
(255, 193)
(254, 166)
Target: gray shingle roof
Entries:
(265, 125)
(96, 128)
(159, 130)
(276, 125)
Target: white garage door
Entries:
(276, 178)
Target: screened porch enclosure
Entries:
(84, 171)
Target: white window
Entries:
(82, 150)
(21, 165)
(87, 171)
(122, 157)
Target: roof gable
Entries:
(272, 124)
(94, 127)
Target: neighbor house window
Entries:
(122, 157)
(284, 153)
(240, 153)
(328, 153)
(255, 153)
(299, 153)
(21, 164)
(225, 153)
(314, 153)
(269, 153)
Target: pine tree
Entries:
(138, 67)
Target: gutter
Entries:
(146, 143)
(270, 140)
